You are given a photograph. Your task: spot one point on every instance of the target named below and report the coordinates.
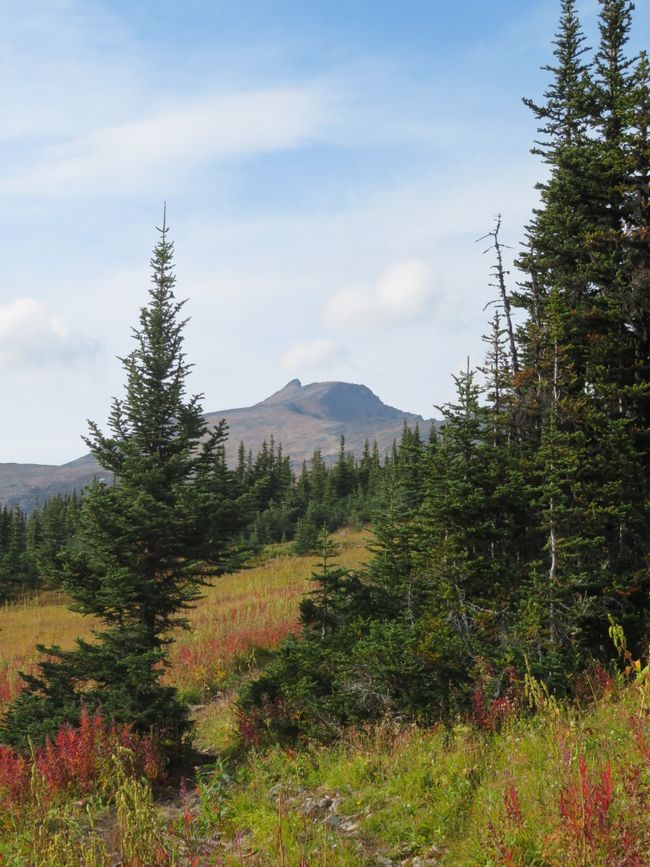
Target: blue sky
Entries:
(327, 167)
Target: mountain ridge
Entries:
(300, 417)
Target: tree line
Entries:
(30, 544)
(323, 494)
(283, 507)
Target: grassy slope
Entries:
(463, 797)
(241, 612)
(561, 787)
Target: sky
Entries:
(328, 167)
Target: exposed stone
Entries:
(334, 821)
(309, 807)
(349, 826)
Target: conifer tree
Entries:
(321, 609)
(585, 379)
(636, 242)
(395, 588)
(344, 472)
(146, 544)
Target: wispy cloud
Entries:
(307, 356)
(131, 156)
(32, 337)
(400, 295)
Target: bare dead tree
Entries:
(500, 274)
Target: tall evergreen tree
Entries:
(557, 249)
(145, 543)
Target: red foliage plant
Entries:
(10, 680)
(252, 724)
(74, 759)
(594, 683)
(512, 805)
(584, 807)
(490, 714)
(209, 659)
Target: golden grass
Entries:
(256, 607)
(245, 611)
(25, 624)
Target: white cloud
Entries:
(130, 156)
(400, 295)
(31, 337)
(309, 355)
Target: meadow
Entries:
(239, 615)
(532, 782)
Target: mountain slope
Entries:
(300, 417)
(306, 417)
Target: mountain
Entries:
(300, 417)
(27, 485)
(306, 417)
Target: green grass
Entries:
(407, 792)
(440, 794)
(536, 792)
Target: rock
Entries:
(309, 807)
(275, 792)
(349, 826)
(334, 821)
(325, 803)
(336, 804)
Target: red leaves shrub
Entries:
(490, 713)
(585, 830)
(254, 723)
(590, 832)
(15, 773)
(584, 805)
(75, 759)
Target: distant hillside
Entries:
(306, 417)
(300, 417)
(27, 485)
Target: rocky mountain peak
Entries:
(333, 401)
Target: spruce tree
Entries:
(558, 250)
(320, 611)
(636, 241)
(146, 544)
(586, 382)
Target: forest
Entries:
(499, 615)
